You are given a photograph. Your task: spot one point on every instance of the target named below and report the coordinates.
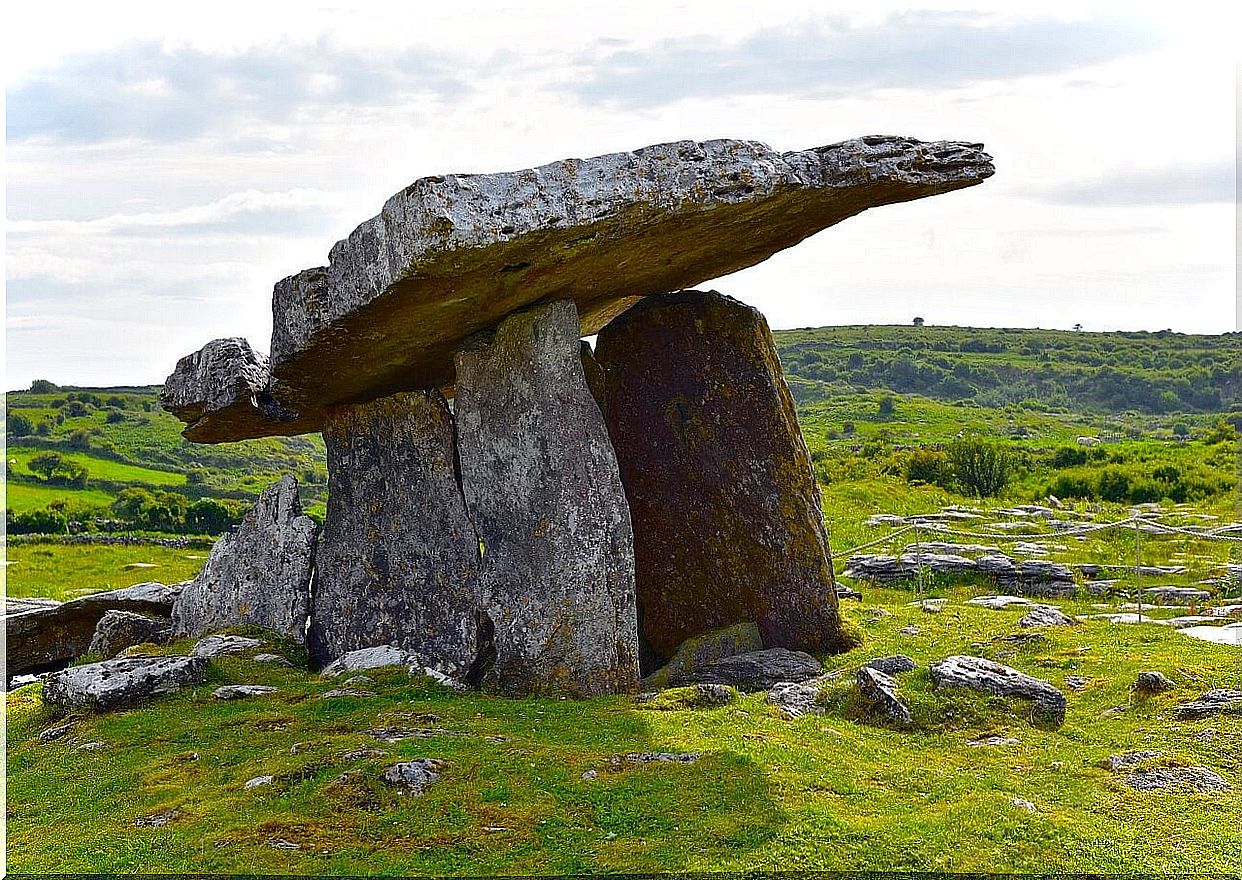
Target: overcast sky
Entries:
(167, 163)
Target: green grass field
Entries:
(835, 791)
(21, 497)
(99, 468)
(64, 572)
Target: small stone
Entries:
(358, 680)
(1076, 682)
(241, 691)
(997, 603)
(1184, 778)
(155, 820)
(369, 658)
(1127, 760)
(993, 741)
(797, 698)
(590, 774)
(358, 754)
(880, 691)
(910, 630)
(118, 630)
(54, 733)
(1046, 615)
(893, 665)
(414, 776)
(1023, 804)
(345, 692)
(218, 645)
(655, 758)
(1154, 683)
(708, 647)
(931, 606)
(258, 781)
(90, 746)
(844, 592)
(274, 659)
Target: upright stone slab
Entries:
(727, 522)
(542, 487)
(257, 574)
(397, 562)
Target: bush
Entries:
(43, 386)
(929, 466)
(19, 425)
(982, 468)
(114, 416)
(1069, 456)
(1221, 432)
(45, 463)
(44, 521)
(886, 405)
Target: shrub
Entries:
(44, 521)
(929, 466)
(43, 386)
(886, 405)
(19, 425)
(982, 468)
(45, 463)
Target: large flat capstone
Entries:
(543, 490)
(258, 574)
(450, 256)
(397, 562)
(725, 507)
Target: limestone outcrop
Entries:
(542, 487)
(398, 559)
(121, 683)
(257, 574)
(725, 507)
(450, 256)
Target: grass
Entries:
(23, 497)
(66, 571)
(100, 468)
(836, 791)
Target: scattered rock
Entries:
(359, 754)
(439, 678)
(118, 630)
(1046, 615)
(345, 692)
(880, 691)
(1199, 779)
(122, 682)
(1153, 683)
(258, 781)
(258, 574)
(241, 691)
(397, 734)
(910, 630)
(1219, 701)
(369, 658)
(741, 638)
(219, 645)
(997, 603)
(931, 606)
(1076, 682)
(396, 525)
(1177, 595)
(590, 774)
(655, 758)
(993, 741)
(1127, 760)
(893, 665)
(45, 637)
(413, 776)
(976, 673)
(356, 680)
(757, 670)
(844, 592)
(55, 733)
(797, 698)
(544, 492)
(1023, 804)
(155, 820)
(726, 510)
(94, 746)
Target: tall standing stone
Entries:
(543, 490)
(398, 559)
(257, 574)
(726, 514)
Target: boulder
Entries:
(1153, 683)
(50, 636)
(118, 630)
(450, 256)
(121, 683)
(1199, 779)
(978, 674)
(880, 691)
(542, 488)
(1046, 615)
(413, 776)
(699, 696)
(756, 671)
(368, 658)
(397, 562)
(741, 638)
(794, 699)
(219, 645)
(723, 498)
(257, 574)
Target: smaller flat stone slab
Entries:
(242, 691)
(218, 645)
(880, 691)
(987, 676)
(121, 683)
(1219, 701)
(756, 671)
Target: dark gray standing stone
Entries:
(725, 506)
(880, 690)
(118, 630)
(121, 683)
(397, 563)
(257, 574)
(756, 671)
(543, 490)
(48, 637)
(978, 674)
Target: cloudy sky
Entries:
(167, 163)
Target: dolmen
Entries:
(520, 511)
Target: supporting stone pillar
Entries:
(543, 490)
(397, 561)
(726, 515)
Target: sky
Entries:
(166, 164)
